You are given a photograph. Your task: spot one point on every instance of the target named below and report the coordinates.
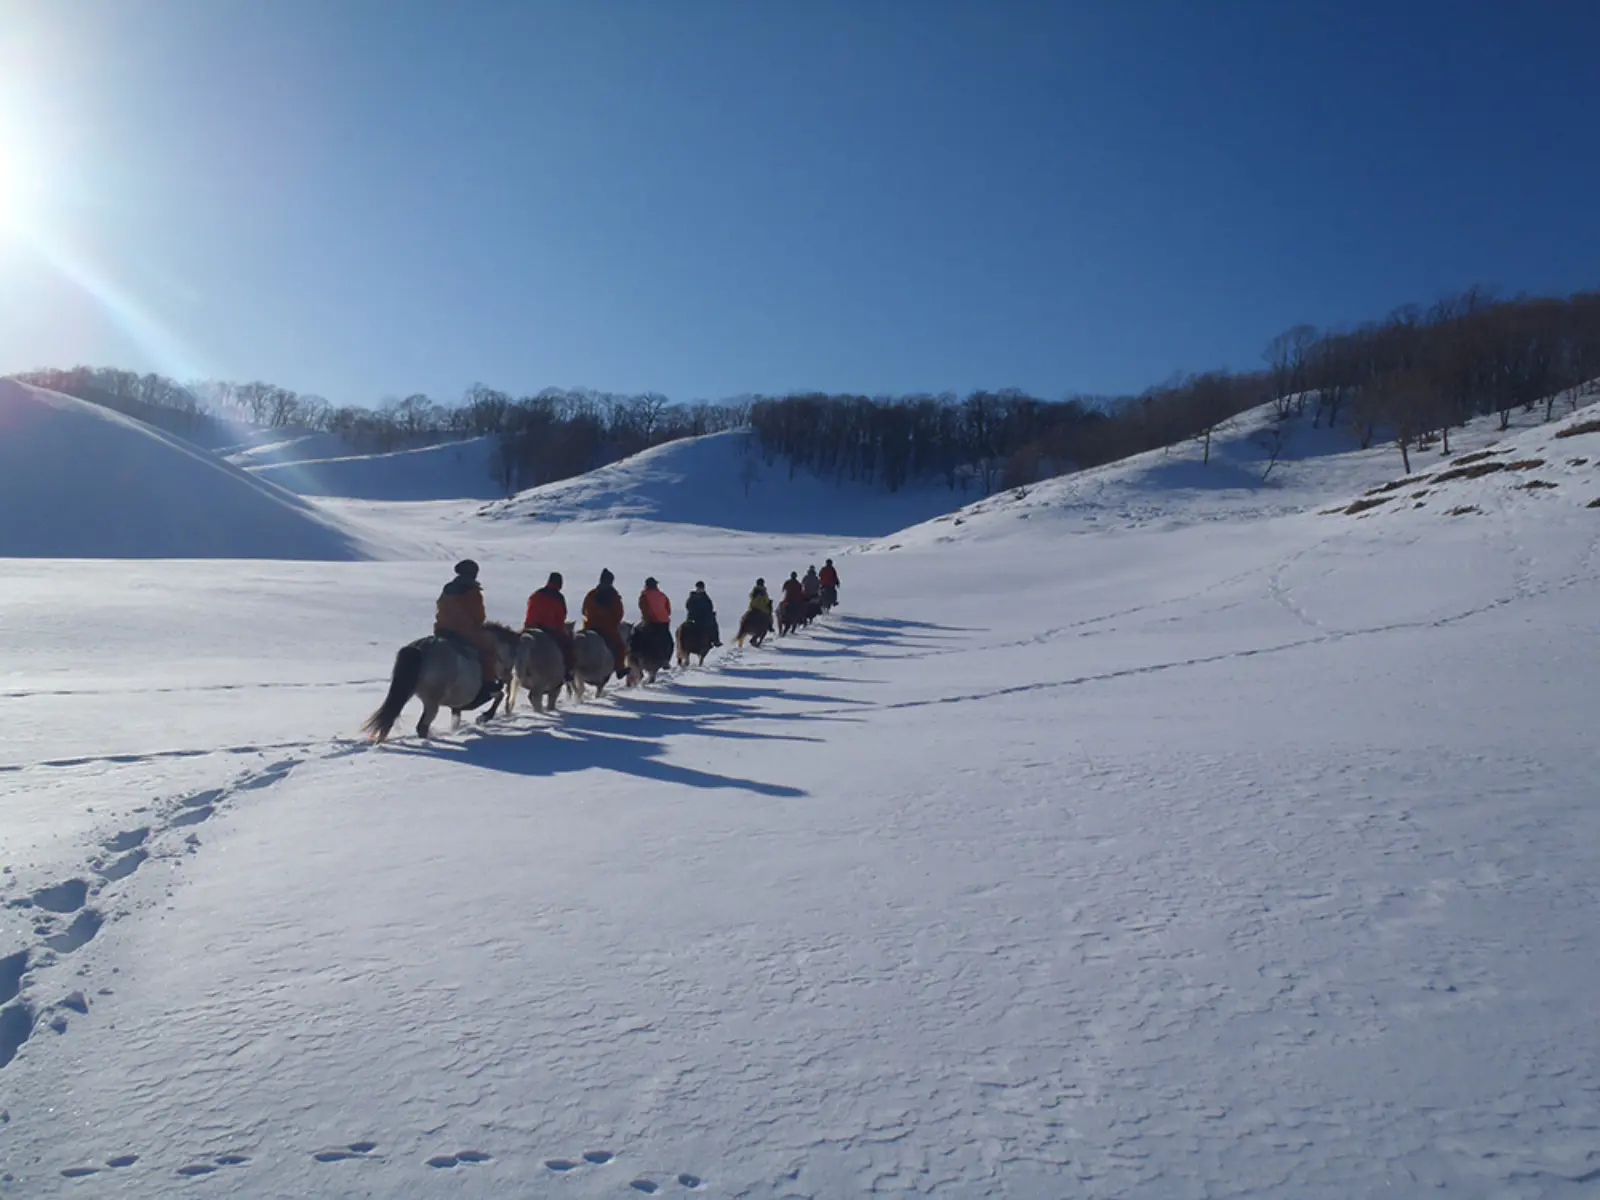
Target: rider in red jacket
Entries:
(829, 576)
(794, 591)
(547, 610)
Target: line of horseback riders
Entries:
(460, 614)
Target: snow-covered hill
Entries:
(80, 481)
(1260, 467)
(1175, 840)
(721, 481)
(448, 471)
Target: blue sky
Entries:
(366, 198)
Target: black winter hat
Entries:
(555, 579)
(467, 569)
(606, 577)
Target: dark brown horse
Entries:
(756, 624)
(694, 637)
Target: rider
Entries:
(699, 609)
(460, 614)
(830, 575)
(655, 611)
(811, 585)
(603, 612)
(547, 610)
(759, 600)
(794, 591)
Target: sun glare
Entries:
(18, 181)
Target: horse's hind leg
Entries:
(429, 711)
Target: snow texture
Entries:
(80, 481)
(1129, 840)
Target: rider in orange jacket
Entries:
(604, 612)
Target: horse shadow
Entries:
(570, 748)
(895, 624)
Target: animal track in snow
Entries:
(126, 840)
(594, 1158)
(192, 816)
(77, 935)
(16, 1023)
(647, 1186)
(221, 1160)
(120, 1161)
(62, 897)
(341, 1153)
(459, 1158)
(122, 867)
(12, 968)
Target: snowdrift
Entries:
(448, 471)
(1259, 467)
(80, 481)
(721, 480)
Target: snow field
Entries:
(1160, 849)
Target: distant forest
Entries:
(1408, 378)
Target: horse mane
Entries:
(500, 630)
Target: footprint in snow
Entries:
(65, 897)
(222, 1160)
(82, 930)
(121, 868)
(120, 1161)
(459, 1158)
(128, 839)
(341, 1153)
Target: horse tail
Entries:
(402, 686)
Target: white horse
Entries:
(540, 668)
(442, 672)
(593, 663)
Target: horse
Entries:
(694, 637)
(791, 615)
(442, 672)
(540, 668)
(829, 597)
(756, 624)
(649, 651)
(813, 609)
(593, 662)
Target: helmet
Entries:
(700, 585)
(651, 582)
(555, 579)
(761, 583)
(606, 577)
(467, 569)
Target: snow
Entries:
(722, 481)
(456, 470)
(1174, 487)
(1172, 841)
(80, 481)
